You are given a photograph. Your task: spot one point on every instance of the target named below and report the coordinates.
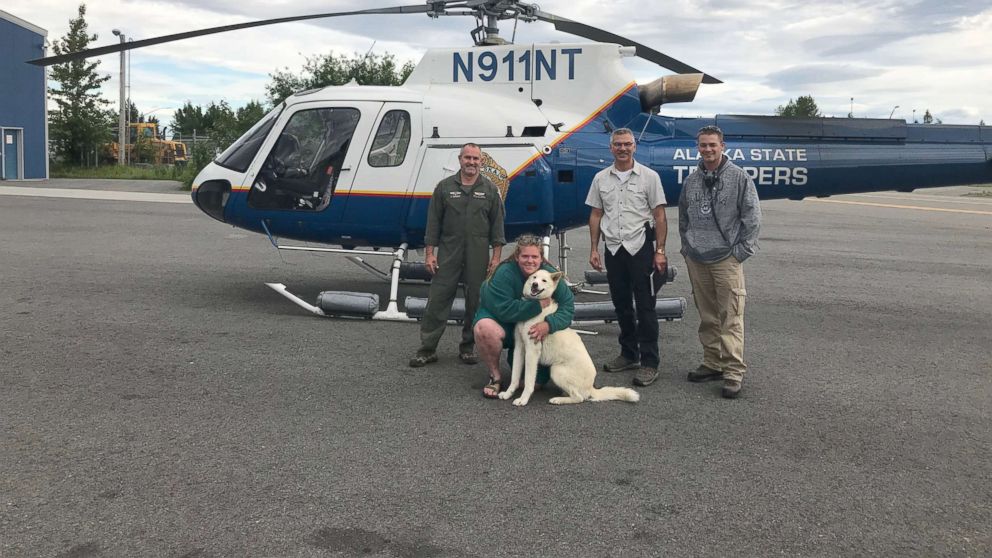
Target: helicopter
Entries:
(355, 166)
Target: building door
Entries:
(11, 153)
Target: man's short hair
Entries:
(470, 144)
(710, 131)
(621, 132)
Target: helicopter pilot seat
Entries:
(291, 184)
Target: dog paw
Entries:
(504, 395)
(520, 401)
(556, 400)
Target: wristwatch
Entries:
(660, 251)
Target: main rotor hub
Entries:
(487, 12)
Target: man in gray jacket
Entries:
(719, 218)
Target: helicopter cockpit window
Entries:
(241, 153)
(391, 140)
(301, 171)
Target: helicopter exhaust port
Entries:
(679, 88)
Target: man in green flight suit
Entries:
(464, 219)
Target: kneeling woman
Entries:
(502, 305)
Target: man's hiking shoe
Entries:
(731, 389)
(704, 374)
(468, 358)
(620, 364)
(422, 360)
(645, 376)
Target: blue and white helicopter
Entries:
(354, 166)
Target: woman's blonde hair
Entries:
(523, 241)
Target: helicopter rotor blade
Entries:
(595, 34)
(418, 9)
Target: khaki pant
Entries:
(719, 293)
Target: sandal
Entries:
(422, 360)
(493, 388)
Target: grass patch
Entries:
(184, 174)
(153, 172)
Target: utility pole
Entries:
(121, 122)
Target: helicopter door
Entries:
(440, 161)
(311, 160)
(378, 198)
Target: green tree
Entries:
(133, 114)
(802, 107)
(327, 69)
(216, 127)
(927, 117)
(218, 120)
(80, 123)
(188, 119)
(248, 115)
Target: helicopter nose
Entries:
(211, 197)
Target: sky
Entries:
(869, 58)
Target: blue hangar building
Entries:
(23, 95)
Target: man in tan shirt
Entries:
(626, 198)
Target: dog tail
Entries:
(614, 394)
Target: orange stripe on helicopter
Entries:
(568, 134)
(511, 176)
(377, 194)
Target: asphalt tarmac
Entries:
(157, 399)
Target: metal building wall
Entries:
(22, 93)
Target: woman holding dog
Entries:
(502, 306)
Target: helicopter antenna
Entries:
(355, 69)
(645, 128)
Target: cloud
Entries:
(799, 77)
(922, 53)
(839, 45)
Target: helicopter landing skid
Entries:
(342, 304)
(281, 289)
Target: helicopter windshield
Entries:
(301, 171)
(241, 153)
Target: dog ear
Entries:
(557, 275)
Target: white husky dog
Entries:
(572, 369)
